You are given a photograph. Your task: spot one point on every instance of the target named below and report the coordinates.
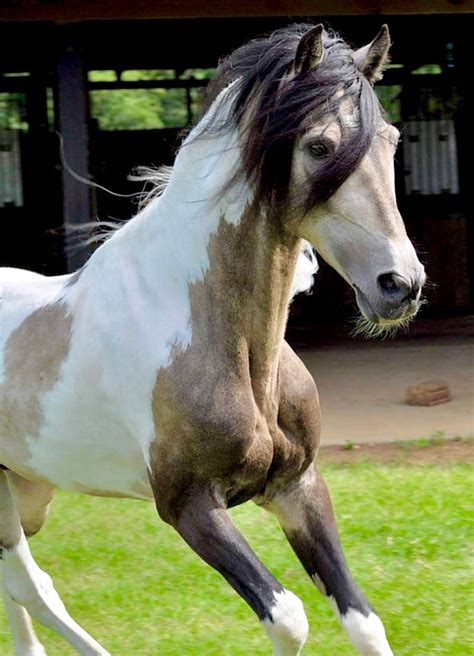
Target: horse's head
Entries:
(357, 229)
(318, 154)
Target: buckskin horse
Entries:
(160, 371)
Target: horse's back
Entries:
(22, 290)
(22, 293)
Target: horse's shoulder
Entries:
(204, 402)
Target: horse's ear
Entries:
(310, 50)
(371, 59)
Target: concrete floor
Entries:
(362, 389)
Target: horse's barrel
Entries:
(428, 393)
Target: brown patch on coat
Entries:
(10, 528)
(32, 500)
(33, 356)
(217, 407)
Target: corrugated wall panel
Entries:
(430, 156)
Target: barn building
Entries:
(60, 59)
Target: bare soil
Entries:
(362, 390)
(414, 452)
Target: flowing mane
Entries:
(271, 108)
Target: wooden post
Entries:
(72, 114)
(40, 206)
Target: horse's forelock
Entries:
(272, 108)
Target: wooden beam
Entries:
(71, 104)
(148, 84)
(78, 10)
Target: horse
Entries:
(160, 371)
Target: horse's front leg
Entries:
(305, 513)
(206, 526)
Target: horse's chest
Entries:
(226, 442)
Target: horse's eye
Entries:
(319, 150)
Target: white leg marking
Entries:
(367, 634)
(28, 586)
(24, 638)
(289, 629)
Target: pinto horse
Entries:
(160, 371)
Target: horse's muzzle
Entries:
(398, 305)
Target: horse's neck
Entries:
(264, 277)
(240, 308)
(206, 257)
(269, 328)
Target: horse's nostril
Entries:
(394, 286)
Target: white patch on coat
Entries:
(288, 628)
(292, 516)
(306, 268)
(32, 588)
(367, 634)
(24, 638)
(130, 310)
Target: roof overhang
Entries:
(80, 10)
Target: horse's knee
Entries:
(287, 625)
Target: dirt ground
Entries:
(362, 389)
(429, 452)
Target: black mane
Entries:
(279, 112)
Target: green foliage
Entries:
(139, 109)
(390, 99)
(144, 109)
(13, 111)
(133, 583)
(428, 69)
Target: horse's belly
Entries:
(92, 442)
(109, 464)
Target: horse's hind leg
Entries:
(27, 588)
(32, 502)
(305, 514)
(206, 526)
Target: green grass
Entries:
(139, 590)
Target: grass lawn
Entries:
(130, 581)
